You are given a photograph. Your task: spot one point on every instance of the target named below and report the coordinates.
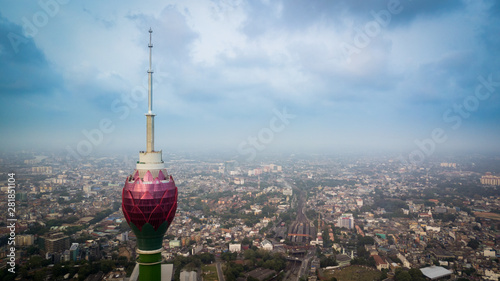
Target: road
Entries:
(220, 274)
(304, 267)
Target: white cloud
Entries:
(213, 61)
(217, 24)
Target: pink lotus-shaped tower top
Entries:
(149, 199)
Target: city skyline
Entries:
(252, 78)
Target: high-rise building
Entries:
(74, 252)
(346, 220)
(149, 197)
(56, 242)
(92, 251)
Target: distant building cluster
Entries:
(287, 192)
(42, 170)
(489, 179)
(239, 181)
(271, 168)
(448, 165)
(25, 240)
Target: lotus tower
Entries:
(149, 197)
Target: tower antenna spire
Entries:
(150, 116)
(150, 74)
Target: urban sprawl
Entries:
(287, 217)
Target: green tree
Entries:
(246, 241)
(59, 270)
(6, 275)
(125, 227)
(40, 275)
(469, 271)
(367, 240)
(249, 254)
(330, 261)
(233, 271)
(383, 276)
(228, 256)
(32, 250)
(402, 275)
(362, 252)
(416, 274)
(116, 205)
(206, 258)
(123, 261)
(35, 262)
(474, 244)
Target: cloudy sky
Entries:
(250, 77)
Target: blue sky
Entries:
(355, 75)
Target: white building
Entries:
(433, 228)
(403, 259)
(491, 275)
(234, 248)
(267, 245)
(489, 252)
(174, 243)
(359, 202)
(435, 272)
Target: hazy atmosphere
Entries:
(284, 140)
(251, 76)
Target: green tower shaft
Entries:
(149, 265)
